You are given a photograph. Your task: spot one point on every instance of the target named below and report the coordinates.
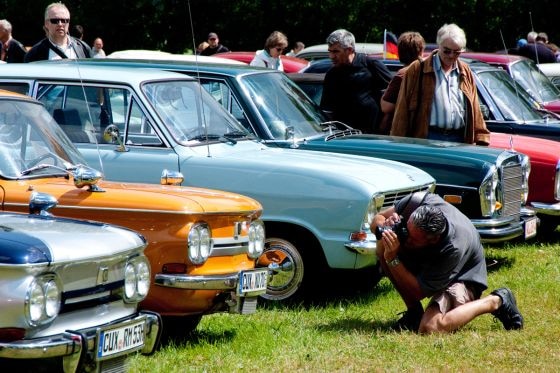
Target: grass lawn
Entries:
(351, 333)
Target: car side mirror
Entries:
(112, 135)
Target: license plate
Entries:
(251, 282)
(126, 338)
(530, 227)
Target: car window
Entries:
(221, 92)
(22, 88)
(534, 81)
(83, 112)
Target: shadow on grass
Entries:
(181, 339)
(349, 325)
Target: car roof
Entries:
(496, 58)
(73, 70)
(159, 55)
(231, 70)
(321, 50)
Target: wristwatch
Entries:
(393, 263)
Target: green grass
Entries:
(352, 333)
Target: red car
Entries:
(544, 180)
(527, 74)
(291, 64)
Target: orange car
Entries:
(202, 244)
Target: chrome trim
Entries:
(362, 247)
(212, 282)
(221, 213)
(547, 208)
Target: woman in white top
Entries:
(269, 57)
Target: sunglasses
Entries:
(56, 21)
(448, 51)
(279, 49)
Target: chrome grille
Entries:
(393, 197)
(512, 181)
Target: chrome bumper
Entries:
(77, 348)
(546, 208)
(504, 229)
(206, 282)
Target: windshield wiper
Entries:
(42, 166)
(213, 137)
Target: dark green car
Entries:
(489, 185)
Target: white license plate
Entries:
(252, 281)
(530, 228)
(126, 338)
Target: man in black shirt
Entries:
(353, 87)
(214, 45)
(433, 250)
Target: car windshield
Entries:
(534, 81)
(190, 114)
(510, 99)
(29, 137)
(284, 108)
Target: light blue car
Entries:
(146, 125)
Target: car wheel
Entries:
(287, 269)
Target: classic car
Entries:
(291, 64)
(69, 292)
(320, 51)
(544, 181)
(317, 206)
(552, 72)
(506, 109)
(271, 106)
(203, 244)
(527, 74)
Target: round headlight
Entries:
(199, 243)
(129, 281)
(52, 299)
(143, 276)
(36, 301)
(256, 239)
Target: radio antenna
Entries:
(200, 88)
(535, 43)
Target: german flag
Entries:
(390, 50)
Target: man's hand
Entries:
(391, 244)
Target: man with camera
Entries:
(428, 248)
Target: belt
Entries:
(447, 131)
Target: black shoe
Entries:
(508, 313)
(410, 320)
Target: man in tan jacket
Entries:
(438, 97)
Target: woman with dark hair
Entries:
(269, 57)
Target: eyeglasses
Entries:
(56, 21)
(455, 52)
(279, 49)
(212, 39)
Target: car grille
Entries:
(512, 181)
(393, 197)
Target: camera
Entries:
(399, 228)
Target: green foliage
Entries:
(351, 333)
(176, 25)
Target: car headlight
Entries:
(256, 239)
(487, 192)
(42, 300)
(199, 241)
(136, 279)
(374, 206)
(526, 167)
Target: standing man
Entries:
(214, 45)
(353, 87)
(58, 44)
(12, 50)
(438, 97)
(433, 250)
(97, 50)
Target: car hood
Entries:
(539, 150)
(29, 239)
(292, 163)
(447, 162)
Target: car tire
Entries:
(178, 328)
